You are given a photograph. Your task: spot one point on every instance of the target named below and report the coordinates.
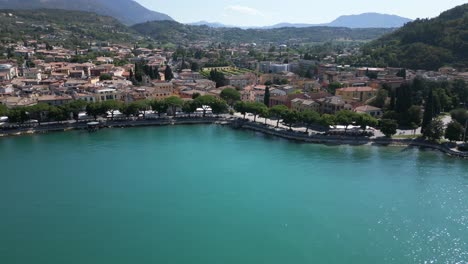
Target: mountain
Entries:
(63, 27)
(210, 24)
(366, 20)
(173, 32)
(369, 20)
(426, 43)
(127, 11)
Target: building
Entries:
(7, 72)
(241, 81)
(54, 99)
(302, 105)
(371, 110)
(333, 104)
(360, 94)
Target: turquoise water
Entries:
(209, 194)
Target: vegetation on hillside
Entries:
(173, 32)
(70, 28)
(425, 43)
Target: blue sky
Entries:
(269, 12)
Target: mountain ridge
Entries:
(364, 20)
(128, 12)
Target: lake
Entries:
(211, 194)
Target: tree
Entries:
(366, 120)
(435, 130)
(266, 97)
(189, 107)
(142, 106)
(205, 101)
(3, 110)
(380, 98)
(159, 106)
(241, 108)
(454, 131)
(428, 111)
(333, 86)
(218, 78)
(230, 95)
(105, 77)
(265, 114)
(219, 106)
(94, 110)
(17, 115)
(75, 107)
(278, 112)
(173, 103)
(290, 118)
(131, 109)
(38, 112)
(327, 120)
(309, 117)
(255, 108)
(346, 118)
(460, 115)
(388, 127)
(57, 113)
(168, 75)
(111, 106)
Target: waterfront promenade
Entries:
(268, 128)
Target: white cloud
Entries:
(244, 10)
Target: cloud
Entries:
(244, 10)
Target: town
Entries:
(311, 86)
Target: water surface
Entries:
(209, 194)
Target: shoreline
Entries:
(240, 124)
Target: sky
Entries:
(269, 12)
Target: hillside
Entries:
(127, 11)
(426, 43)
(70, 28)
(173, 32)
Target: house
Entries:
(7, 72)
(360, 94)
(302, 105)
(371, 110)
(54, 99)
(333, 104)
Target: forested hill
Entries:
(127, 11)
(426, 43)
(61, 26)
(173, 32)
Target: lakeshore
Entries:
(237, 123)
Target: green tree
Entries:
(290, 118)
(309, 117)
(435, 130)
(57, 113)
(189, 107)
(3, 110)
(346, 118)
(428, 111)
(332, 87)
(131, 109)
(75, 107)
(255, 108)
(265, 114)
(94, 110)
(388, 127)
(454, 131)
(174, 102)
(219, 106)
(460, 115)
(230, 95)
(204, 102)
(105, 77)
(380, 98)
(278, 112)
(168, 75)
(18, 115)
(38, 112)
(218, 78)
(266, 97)
(159, 106)
(366, 120)
(111, 106)
(241, 108)
(143, 106)
(327, 120)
